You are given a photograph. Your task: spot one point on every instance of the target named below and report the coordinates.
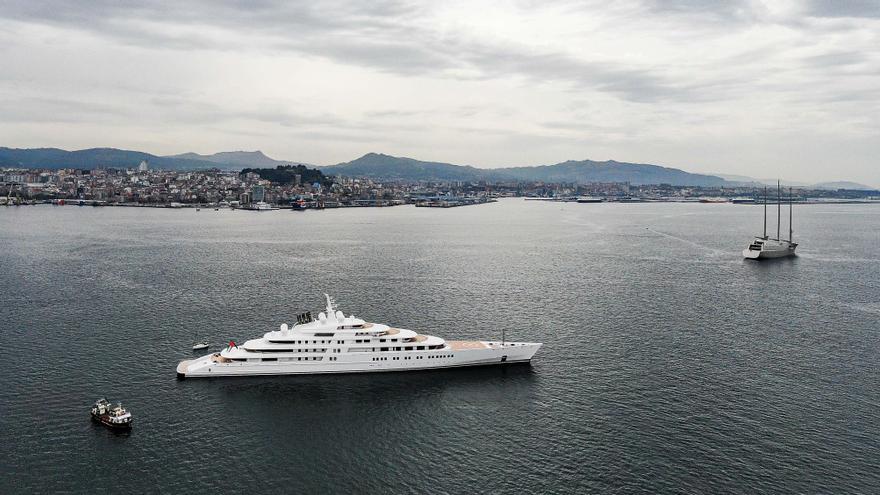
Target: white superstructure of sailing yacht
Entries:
(764, 247)
(335, 343)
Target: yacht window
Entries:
(420, 348)
(381, 340)
(270, 359)
(393, 340)
(323, 334)
(383, 348)
(408, 348)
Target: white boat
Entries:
(335, 343)
(198, 346)
(765, 247)
(261, 206)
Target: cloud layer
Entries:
(782, 88)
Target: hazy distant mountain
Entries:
(385, 167)
(612, 171)
(54, 158)
(240, 159)
(751, 181)
(834, 185)
(843, 185)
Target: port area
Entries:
(451, 201)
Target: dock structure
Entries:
(451, 201)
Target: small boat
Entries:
(198, 346)
(111, 416)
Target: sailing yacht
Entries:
(335, 343)
(764, 247)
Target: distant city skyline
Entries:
(762, 89)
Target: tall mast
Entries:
(765, 212)
(789, 215)
(778, 209)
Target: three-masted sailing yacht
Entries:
(765, 247)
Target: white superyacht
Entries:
(335, 343)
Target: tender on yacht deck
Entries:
(461, 345)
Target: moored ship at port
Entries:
(335, 343)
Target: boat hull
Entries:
(753, 254)
(105, 420)
(453, 356)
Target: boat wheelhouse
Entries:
(335, 343)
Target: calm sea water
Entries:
(670, 364)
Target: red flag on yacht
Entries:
(231, 343)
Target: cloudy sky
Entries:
(762, 88)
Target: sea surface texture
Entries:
(670, 364)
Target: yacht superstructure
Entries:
(335, 343)
(765, 247)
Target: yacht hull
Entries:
(754, 254)
(455, 355)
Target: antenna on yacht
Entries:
(778, 209)
(503, 332)
(765, 212)
(330, 304)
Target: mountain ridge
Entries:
(250, 159)
(381, 166)
(387, 167)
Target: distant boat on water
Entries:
(261, 206)
(764, 247)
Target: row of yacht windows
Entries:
(316, 349)
(357, 341)
(306, 358)
(381, 349)
(407, 358)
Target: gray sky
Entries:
(761, 88)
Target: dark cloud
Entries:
(837, 58)
(379, 35)
(844, 8)
(47, 109)
(722, 10)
